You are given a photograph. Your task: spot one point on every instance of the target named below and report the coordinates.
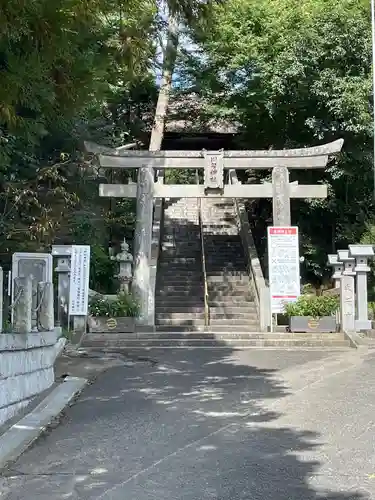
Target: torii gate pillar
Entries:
(281, 197)
(142, 241)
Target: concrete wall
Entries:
(26, 368)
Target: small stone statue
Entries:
(125, 274)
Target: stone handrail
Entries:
(155, 248)
(261, 290)
(203, 255)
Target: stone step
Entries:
(179, 291)
(179, 251)
(225, 279)
(165, 309)
(223, 265)
(218, 251)
(171, 297)
(240, 278)
(179, 284)
(167, 268)
(191, 324)
(234, 321)
(221, 285)
(227, 295)
(117, 341)
(208, 334)
(176, 274)
(182, 316)
(185, 245)
(180, 261)
(232, 302)
(233, 313)
(214, 255)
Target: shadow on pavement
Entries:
(194, 426)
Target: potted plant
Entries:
(113, 314)
(312, 313)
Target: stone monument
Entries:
(34, 266)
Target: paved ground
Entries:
(218, 425)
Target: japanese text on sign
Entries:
(214, 171)
(283, 265)
(79, 280)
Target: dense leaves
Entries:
(288, 73)
(294, 73)
(69, 70)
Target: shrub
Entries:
(313, 306)
(124, 305)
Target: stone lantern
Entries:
(347, 292)
(361, 254)
(338, 268)
(125, 259)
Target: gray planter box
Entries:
(303, 324)
(103, 324)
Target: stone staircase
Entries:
(179, 297)
(229, 287)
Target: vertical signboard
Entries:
(214, 170)
(79, 280)
(283, 266)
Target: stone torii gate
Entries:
(214, 163)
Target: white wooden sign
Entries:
(283, 266)
(79, 280)
(214, 170)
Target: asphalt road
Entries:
(212, 424)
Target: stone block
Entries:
(26, 368)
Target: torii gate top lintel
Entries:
(321, 150)
(300, 158)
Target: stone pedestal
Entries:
(142, 240)
(347, 304)
(347, 292)
(22, 305)
(281, 196)
(361, 253)
(45, 313)
(79, 325)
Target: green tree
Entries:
(297, 74)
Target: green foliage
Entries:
(371, 310)
(368, 238)
(124, 305)
(102, 271)
(296, 74)
(313, 306)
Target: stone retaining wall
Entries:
(26, 368)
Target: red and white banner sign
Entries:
(283, 266)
